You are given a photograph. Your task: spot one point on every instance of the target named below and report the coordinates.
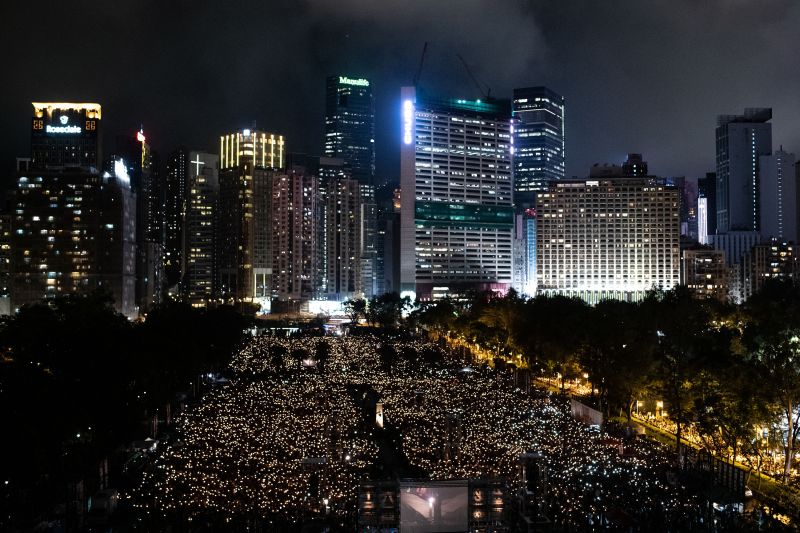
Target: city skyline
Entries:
(664, 108)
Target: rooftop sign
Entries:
(360, 82)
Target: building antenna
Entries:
(487, 94)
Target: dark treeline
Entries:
(78, 382)
(721, 370)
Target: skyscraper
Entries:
(350, 136)
(72, 227)
(456, 198)
(175, 208)
(706, 207)
(538, 141)
(741, 140)
(198, 240)
(295, 194)
(342, 199)
(778, 196)
(248, 160)
(350, 125)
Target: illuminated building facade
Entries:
(456, 196)
(705, 272)
(607, 239)
(294, 221)
(538, 141)
(706, 208)
(248, 160)
(525, 251)
(741, 140)
(342, 197)
(65, 134)
(198, 239)
(350, 125)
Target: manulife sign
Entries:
(359, 82)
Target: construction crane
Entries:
(487, 94)
(421, 62)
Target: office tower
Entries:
(704, 272)
(608, 238)
(248, 160)
(771, 259)
(525, 251)
(66, 135)
(142, 168)
(778, 196)
(198, 240)
(391, 243)
(117, 248)
(706, 207)
(71, 226)
(538, 138)
(350, 125)
(741, 140)
(456, 199)
(175, 206)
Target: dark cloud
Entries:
(638, 75)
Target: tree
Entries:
(355, 308)
(387, 310)
(549, 332)
(772, 339)
(618, 353)
(681, 331)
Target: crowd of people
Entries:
(292, 434)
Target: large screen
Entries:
(433, 507)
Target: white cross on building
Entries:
(197, 164)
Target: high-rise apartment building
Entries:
(778, 196)
(704, 272)
(741, 141)
(294, 219)
(199, 244)
(538, 136)
(771, 259)
(248, 160)
(608, 238)
(456, 196)
(343, 278)
(350, 125)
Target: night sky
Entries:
(638, 76)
